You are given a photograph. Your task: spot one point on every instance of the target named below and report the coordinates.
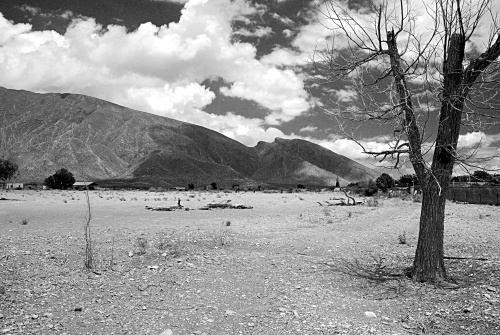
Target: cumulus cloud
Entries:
(478, 139)
(158, 69)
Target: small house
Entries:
(13, 186)
(84, 185)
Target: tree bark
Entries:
(428, 264)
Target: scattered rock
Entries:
(230, 313)
(78, 309)
(491, 288)
(167, 332)
(370, 314)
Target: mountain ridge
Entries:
(100, 140)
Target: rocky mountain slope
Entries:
(99, 140)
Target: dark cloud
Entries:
(130, 13)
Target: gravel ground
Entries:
(287, 266)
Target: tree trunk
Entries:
(428, 264)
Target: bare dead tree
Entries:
(415, 67)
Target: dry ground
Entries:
(287, 266)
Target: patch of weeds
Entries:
(223, 237)
(65, 201)
(141, 245)
(171, 245)
(379, 270)
(24, 222)
(349, 214)
(300, 198)
(402, 238)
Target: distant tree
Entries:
(461, 179)
(8, 170)
(300, 186)
(191, 186)
(214, 185)
(60, 180)
(408, 180)
(337, 183)
(481, 176)
(369, 187)
(366, 188)
(384, 182)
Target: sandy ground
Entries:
(287, 266)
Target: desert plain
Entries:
(292, 264)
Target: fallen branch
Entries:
(349, 198)
(468, 258)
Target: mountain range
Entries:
(101, 141)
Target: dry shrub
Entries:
(141, 245)
(171, 244)
(378, 270)
(222, 236)
(402, 238)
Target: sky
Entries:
(239, 67)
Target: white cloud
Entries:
(283, 19)
(288, 33)
(157, 69)
(308, 129)
(279, 90)
(345, 95)
(478, 139)
(283, 57)
(258, 32)
(29, 9)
